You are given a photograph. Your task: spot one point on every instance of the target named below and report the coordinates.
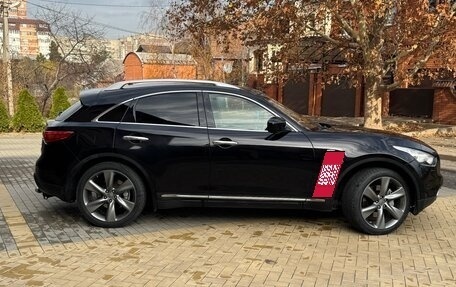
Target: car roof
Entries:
(123, 91)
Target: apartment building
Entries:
(19, 11)
(27, 37)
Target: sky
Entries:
(126, 16)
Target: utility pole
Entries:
(5, 6)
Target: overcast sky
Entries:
(109, 12)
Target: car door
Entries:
(165, 134)
(248, 161)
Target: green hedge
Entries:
(4, 118)
(27, 117)
(59, 102)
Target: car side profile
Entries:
(176, 143)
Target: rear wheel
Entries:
(110, 194)
(376, 201)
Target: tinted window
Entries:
(115, 115)
(237, 113)
(87, 114)
(170, 109)
(68, 112)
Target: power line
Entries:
(80, 18)
(104, 5)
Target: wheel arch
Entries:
(401, 167)
(91, 160)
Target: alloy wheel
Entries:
(383, 203)
(109, 196)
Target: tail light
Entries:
(55, 136)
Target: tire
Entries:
(376, 201)
(110, 194)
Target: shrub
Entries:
(4, 118)
(27, 117)
(59, 102)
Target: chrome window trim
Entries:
(249, 198)
(160, 125)
(97, 119)
(238, 130)
(188, 91)
(140, 97)
(251, 100)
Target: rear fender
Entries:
(88, 161)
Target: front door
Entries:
(247, 160)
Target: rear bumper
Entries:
(52, 169)
(49, 189)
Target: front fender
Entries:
(405, 169)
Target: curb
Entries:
(446, 191)
(447, 131)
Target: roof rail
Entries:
(123, 84)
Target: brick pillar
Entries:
(311, 103)
(444, 110)
(318, 94)
(280, 91)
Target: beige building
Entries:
(27, 37)
(20, 11)
(121, 47)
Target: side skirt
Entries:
(168, 201)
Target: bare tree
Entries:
(80, 57)
(195, 25)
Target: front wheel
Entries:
(110, 194)
(376, 201)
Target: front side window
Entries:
(170, 109)
(232, 112)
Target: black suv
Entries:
(177, 143)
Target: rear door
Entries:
(166, 135)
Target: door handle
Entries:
(135, 138)
(224, 143)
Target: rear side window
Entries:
(170, 109)
(114, 115)
(68, 112)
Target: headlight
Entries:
(420, 156)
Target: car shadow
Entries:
(62, 222)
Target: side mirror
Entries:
(276, 125)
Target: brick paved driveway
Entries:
(46, 243)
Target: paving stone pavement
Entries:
(46, 243)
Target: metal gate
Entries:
(338, 100)
(296, 95)
(411, 102)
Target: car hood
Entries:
(356, 132)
